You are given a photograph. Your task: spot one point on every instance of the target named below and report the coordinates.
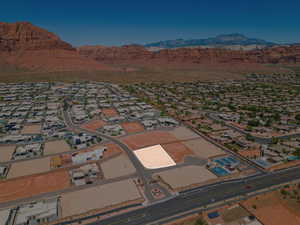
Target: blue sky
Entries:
(130, 21)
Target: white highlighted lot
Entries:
(154, 157)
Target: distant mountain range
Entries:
(24, 45)
(220, 41)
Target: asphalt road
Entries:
(188, 200)
(201, 197)
(144, 174)
(38, 197)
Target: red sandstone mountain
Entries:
(115, 54)
(25, 45)
(138, 54)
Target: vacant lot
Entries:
(172, 144)
(112, 149)
(118, 166)
(271, 209)
(195, 143)
(177, 151)
(148, 139)
(6, 152)
(53, 147)
(37, 184)
(183, 133)
(31, 129)
(132, 127)
(78, 202)
(203, 148)
(110, 112)
(185, 176)
(94, 125)
(234, 213)
(154, 157)
(29, 167)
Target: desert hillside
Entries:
(30, 47)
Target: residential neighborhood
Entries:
(63, 145)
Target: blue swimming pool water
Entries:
(232, 160)
(292, 158)
(219, 161)
(226, 161)
(219, 171)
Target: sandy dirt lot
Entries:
(203, 148)
(185, 176)
(6, 152)
(78, 202)
(118, 166)
(183, 133)
(148, 139)
(31, 129)
(174, 147)
(33, 185)
(112, 149)
(94, 125)
(30, 167)
(177, 151)
(154, 157)
(272, 210)
(110, 112)
(53, 147)
(132, 127)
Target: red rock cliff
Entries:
(27, 46)
(281, 54)
(25, 36)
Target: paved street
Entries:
(69, 189)
(144, 174)
(201, 197)
(188, 200)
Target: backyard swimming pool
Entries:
(292, 158)
(219, 171)
(226, 161)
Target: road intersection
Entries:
(202, 197)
